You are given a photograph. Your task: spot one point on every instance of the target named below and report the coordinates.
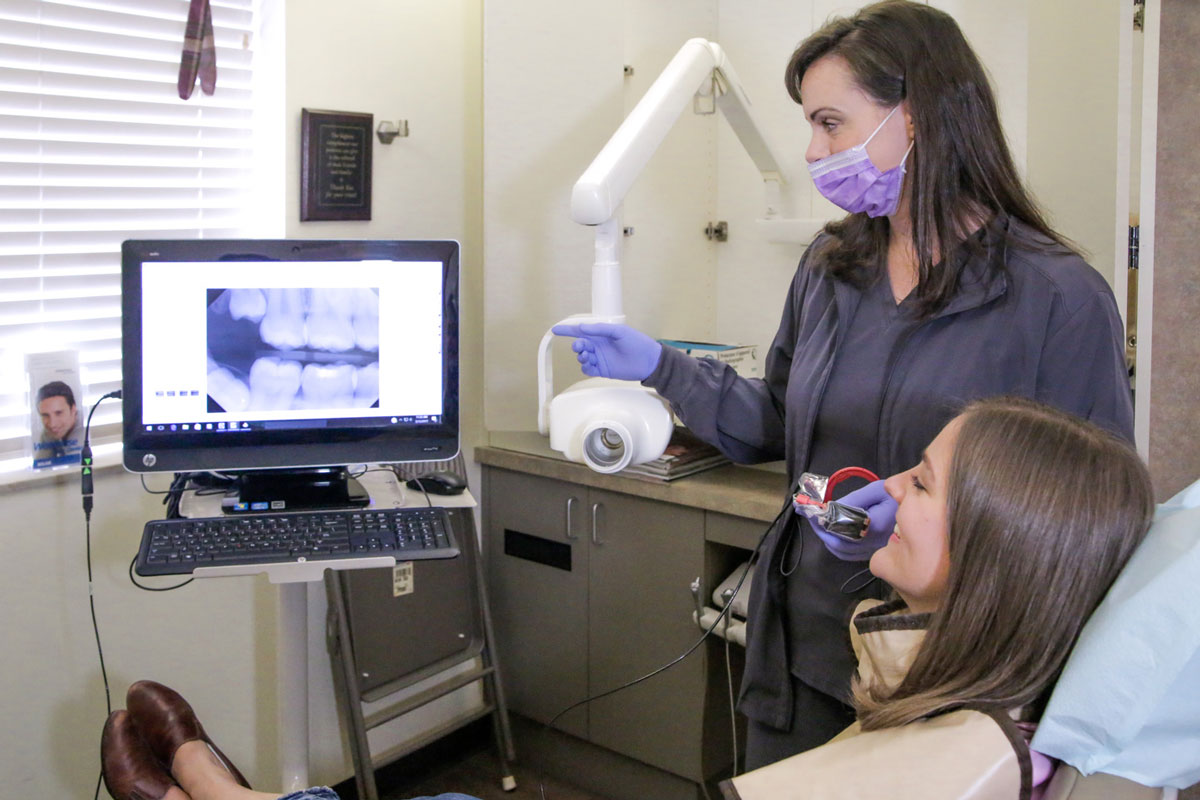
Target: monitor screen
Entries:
(285, 354)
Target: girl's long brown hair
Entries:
(1044, 510)
(961, 171)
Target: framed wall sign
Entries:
(335, 165)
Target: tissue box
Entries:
(742, 357)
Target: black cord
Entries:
(146, 588)
(148, 490)
(395, 470)
(86, 489)
(95, 626)
(199, 482)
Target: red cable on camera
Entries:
(844, 473)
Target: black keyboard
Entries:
(178, 546)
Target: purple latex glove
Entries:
(880, 507)
(606, 350)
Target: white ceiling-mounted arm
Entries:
(600, 190)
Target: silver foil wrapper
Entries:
(840, 519)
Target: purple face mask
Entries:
(850, 181)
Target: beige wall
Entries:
(1075, 146)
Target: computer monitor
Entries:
(283, 361)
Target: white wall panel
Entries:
(753, 274)
(1074, 136)
(669, 265)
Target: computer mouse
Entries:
(438, 483)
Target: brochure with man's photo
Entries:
(55, 397)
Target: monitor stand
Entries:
(259, 491)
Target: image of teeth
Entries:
(283, 323)
(274, 384)
(366, 319)
(225, 388)
(329, 319)
(248, 304)
(366, 386)
(327, 386)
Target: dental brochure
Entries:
(55, 399)
(685, 455)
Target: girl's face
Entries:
(842, 115)
(916, 558)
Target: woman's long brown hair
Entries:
(961, 171)
(1044, 511)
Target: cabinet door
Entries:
(644, 556)
(537, 557)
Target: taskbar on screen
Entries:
(291, 425)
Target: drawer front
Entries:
(733, 531)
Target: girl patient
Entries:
(1008, 534)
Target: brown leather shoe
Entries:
(166, 721)
(131, 772)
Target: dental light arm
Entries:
(599, 192)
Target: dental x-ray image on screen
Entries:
(276, 349)
(288, 354)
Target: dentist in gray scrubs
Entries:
(943, 284)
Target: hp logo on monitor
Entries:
(149, 460)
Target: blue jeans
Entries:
(325, 793)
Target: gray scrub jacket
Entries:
(1029, 318)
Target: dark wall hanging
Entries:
(335, 165)
(199, 51)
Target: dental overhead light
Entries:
(611, 424)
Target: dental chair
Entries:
(1124, 717)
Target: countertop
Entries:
(749, 492)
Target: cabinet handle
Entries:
(571, 501)
(595, 531)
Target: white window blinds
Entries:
(96, 147)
